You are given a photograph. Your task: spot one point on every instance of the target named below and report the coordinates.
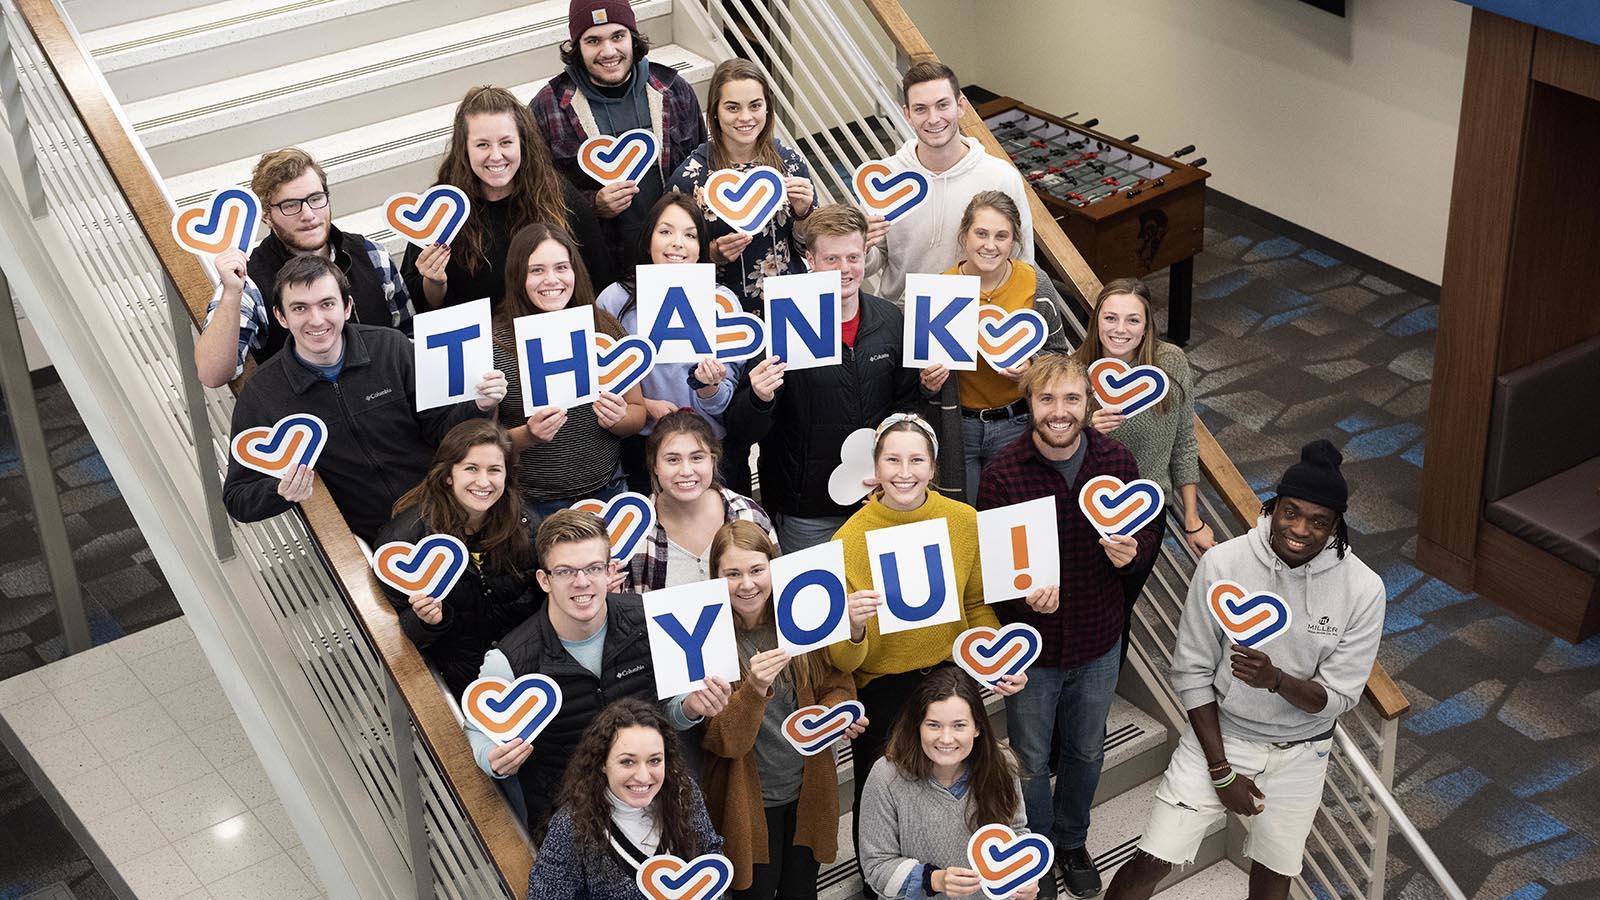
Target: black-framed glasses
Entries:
(291, 207)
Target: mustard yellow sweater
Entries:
(880, 654)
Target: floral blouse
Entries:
(775, 251)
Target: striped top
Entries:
(582, 458)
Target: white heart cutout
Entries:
(855, 465)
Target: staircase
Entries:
(374, 770)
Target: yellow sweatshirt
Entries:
(904, 651)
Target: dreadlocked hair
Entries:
(1341, 533)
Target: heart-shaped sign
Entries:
(855, 466)
(1251, 619)
(745, 200)
(509, 710)
(1005, 339)
(888, 193)
(740, 335)
(228, 219)
(1132, 389)
(628, 517)
(431, 566)
(623, 362)
(667, 877)
(294, 440)
(987, 653)
(626, 157)
(435, 217)
(813, 729)
(1115, 507)
(1006, 861)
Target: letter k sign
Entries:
(942, 322)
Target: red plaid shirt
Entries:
(1088, 623)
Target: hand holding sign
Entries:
(626, 157)
(810, 609)
(433, 217)
(941, 321)
(1128, 389)
(226, 220)
(511, 711)
(745, 200)
(691, 640)
(1019, 548)
(1248, 619)
(453, 349)
(294, 440)
(667, 877)
(1006, 861)
(887, 193)
(848, 483)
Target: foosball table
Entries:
(1129, 211)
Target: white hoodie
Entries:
(925, 240)
(1337, 609)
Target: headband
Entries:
(914, 419)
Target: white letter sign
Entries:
(808, 598)
(555, 358)
(803, 319)
(678, 310)
(453, 350)
(691, 636)
(942, 322)
(913, 568)
(1019, 549)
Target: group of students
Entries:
(617, 777)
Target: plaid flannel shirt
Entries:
(647, 571)
(1088, 623)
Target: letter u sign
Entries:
(912, 565)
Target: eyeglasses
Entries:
(291, 207)
(592, 572)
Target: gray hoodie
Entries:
(1337, 609)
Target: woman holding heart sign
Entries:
(778, 810)
(983, 410)
(464, 495)
(740, 125)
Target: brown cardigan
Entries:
(732, 784)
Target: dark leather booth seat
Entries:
(1542, 474)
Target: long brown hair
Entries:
(583, 790)
(991, 773)
(730, 70)
(503, 537)
(641, 251)
(517, 303)
(810, 670)
(1143, 355)
(536, 194)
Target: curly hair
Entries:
(503, 538)
(583, 790)
(991, 773)
(1341, 532)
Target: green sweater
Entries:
(1162, 441)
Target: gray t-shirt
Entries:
(1069, 467)
(777, 762)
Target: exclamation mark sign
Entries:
(1019, 557)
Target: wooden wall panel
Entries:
(1567, 63)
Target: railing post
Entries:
(194, 398)
(1379, 860)
(17, 119)
(17, 387)
(408, 781)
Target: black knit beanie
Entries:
(1316, 477)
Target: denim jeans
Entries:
(543, 509)
(799, 533)
(982, 440)
(1077, 702)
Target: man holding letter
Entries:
(1080, 620)
(801, 418)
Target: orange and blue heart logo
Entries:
(740, 335)
(813, 729)
(511, 710)
(294, 440)
(1006, 339)
(430, 567)
(625, 157)
(434, 217)
(746, 201)
(1132, 389)
(628, 517)
(1115, 507)
(1250, 619)
(887, 193)
(227, 220)
(668, 877)
(622, 362)
(1006, 861)
(988, 653)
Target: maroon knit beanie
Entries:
(583, 15)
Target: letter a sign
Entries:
(913, 568)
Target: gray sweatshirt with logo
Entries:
(1337, 609)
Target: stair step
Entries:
(185, 49)
(359, 86)
(368, 164)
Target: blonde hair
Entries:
(568, 526)
(1000, 202)
(279, 167)
(833, 220)
(1143, 355)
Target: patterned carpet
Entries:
(1292, 340)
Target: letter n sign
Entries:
(913, 567)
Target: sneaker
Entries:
(1047, 885)
(1081, 877)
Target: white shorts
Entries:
(1187, 804)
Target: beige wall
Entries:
(1344, 126)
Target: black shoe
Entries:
(1081, 877)
(1047, 885)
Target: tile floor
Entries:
(141, 744)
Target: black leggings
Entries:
(791, 870)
